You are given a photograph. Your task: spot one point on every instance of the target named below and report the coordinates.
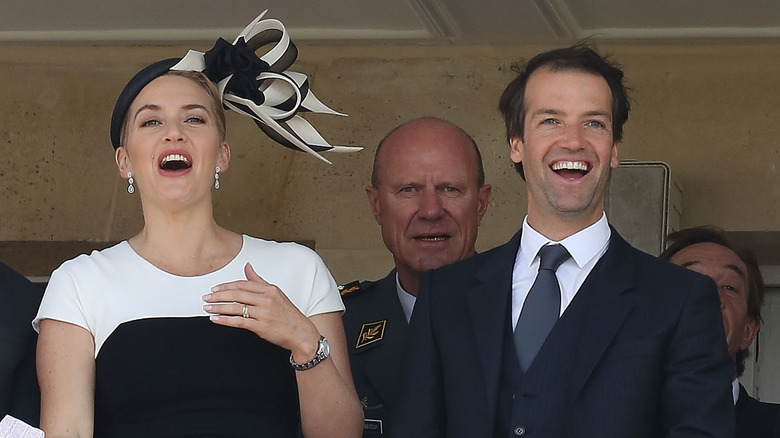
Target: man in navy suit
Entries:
(637, 349)
(19, 300)
(428, 195)
(735, 271)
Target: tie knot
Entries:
(552, 256)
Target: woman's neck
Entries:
(185, 243)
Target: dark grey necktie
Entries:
(542, 306)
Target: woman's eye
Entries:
(194, 119)
(151, 122)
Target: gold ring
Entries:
(245, 309)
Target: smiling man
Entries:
(428, 195)
(735, 271)
(566, 330)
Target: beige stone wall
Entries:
(709, 111)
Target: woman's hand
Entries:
(256, 305)
(329, 405)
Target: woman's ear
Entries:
(224, 156)
(122, 161)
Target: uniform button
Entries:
(519, 431)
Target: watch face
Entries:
(324, 348)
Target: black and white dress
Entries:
(162, 368)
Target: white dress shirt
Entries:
(407, 300)
(586, 248)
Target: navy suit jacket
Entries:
(650, 361)
(376, 327)
(756, 419)
(19, 301)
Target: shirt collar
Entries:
(407, 300)
(582, 245)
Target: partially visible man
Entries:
(735, 271)
(428, 194)
(566, 330)
(19, 300)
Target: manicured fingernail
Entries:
(214, 288)
(214, 317)
(206, 297)
(207, 307)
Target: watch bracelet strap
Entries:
(311, 363)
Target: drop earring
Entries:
(130, 181)
(216, 178)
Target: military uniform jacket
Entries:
(375, 328)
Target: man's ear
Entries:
(614, 161)
(516, 149)
(373, 200)
(484, 196)
(750, 332)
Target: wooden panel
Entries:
(38, 259)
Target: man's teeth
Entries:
(433, 238)
(174, 157)
(570, 165)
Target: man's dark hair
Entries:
(579, 57)
(679, 240)
(480, 169)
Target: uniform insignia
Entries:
(348, 288)
(373, 427)
(371, 332)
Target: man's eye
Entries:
(407, 189)
(548, 121)
(595, 124)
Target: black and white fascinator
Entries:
(259, 87)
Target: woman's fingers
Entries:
(256, 305)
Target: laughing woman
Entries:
(188, 329)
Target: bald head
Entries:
(428, 125)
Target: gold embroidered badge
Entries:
(371, 332)
(348, 288)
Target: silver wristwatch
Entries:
(323, 351)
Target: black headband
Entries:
(131, 90)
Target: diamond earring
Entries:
(130, 181)
(216, 178)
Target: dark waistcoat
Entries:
(534, 403)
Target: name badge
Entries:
(373, 427)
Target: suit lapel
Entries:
(489, 303)
(607, 307)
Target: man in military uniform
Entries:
(428, 194)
